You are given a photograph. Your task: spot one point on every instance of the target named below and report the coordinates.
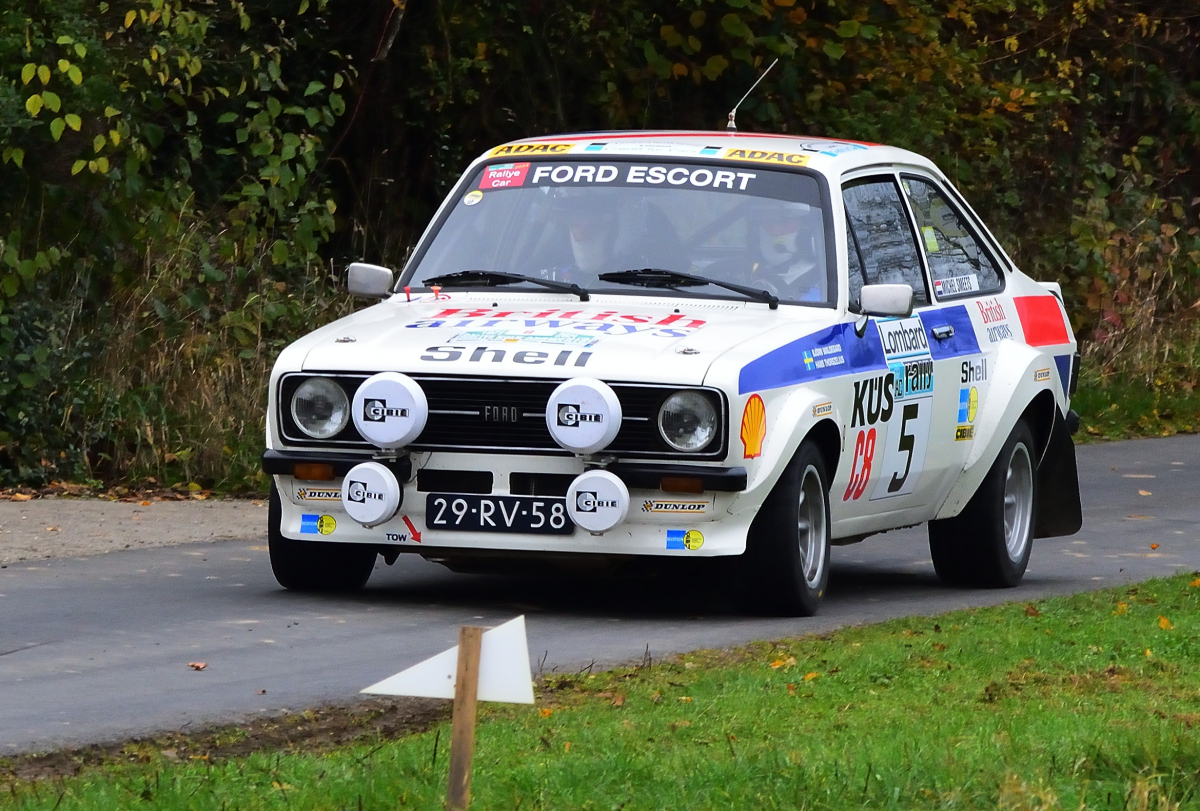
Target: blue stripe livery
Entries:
(962, 342)
(1063, 362)
(829, 353)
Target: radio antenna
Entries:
(732, 125)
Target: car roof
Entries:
(831, 156)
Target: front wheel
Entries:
(987, 545)
(315, 565)
(787, 550)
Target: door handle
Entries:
(943, 332)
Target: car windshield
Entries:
(575, 221)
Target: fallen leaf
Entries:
(197, 665)
(545, 712)
(1195, 583)
(262, 692)
(21, 497)
(53, 529)
(685, 699)
(567, 746)
(676, 725)
(656, 697)
(1121, 608)
(1154, 546)
(1031, 611)
(938, 646)
(1143, 492)
(144, 503)
(791, 688)
(810, 676)
(1164, 623)
(619, 700)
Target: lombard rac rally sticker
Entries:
(317, 524)
(690, 539)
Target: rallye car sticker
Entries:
(674, 506)
(828, 353)
(1042, 320)
(317, 524)
(534, 336)
(318, 494)
(962, 342)
(754, 427)
(763, 156)
(684, 539)
(607, 322)
(530, 149)
(995, 319)
(968, 407)
(956, 284)
(503, 176)
(623, 148)
(640, 174)
(903, 398)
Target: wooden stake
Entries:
(462, 727)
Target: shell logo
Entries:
(754, 427)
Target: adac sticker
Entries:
(691, 539)
(530, 149)
(754, 427)
(317, 524)
(763, 156)
(501, 176)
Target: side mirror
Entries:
(369, 281)
(886, 300)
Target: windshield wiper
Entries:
(495, 278)
(658, 277)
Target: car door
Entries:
(972, 309)
(894, 457)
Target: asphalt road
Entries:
(97, 649)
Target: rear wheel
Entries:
(988, 544)
(787, 550)
(315, 565)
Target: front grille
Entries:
(500, 415)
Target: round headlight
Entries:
(320, 408)
(687, 421)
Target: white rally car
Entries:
(682, 345)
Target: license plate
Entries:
(538, 515)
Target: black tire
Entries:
(987, 545)
(313, 565)
(786, 565)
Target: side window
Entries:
(957, 262)
(880, 227)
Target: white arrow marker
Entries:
(504, 673)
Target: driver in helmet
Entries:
(591, 227)
(789, 262)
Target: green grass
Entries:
(1087, 701)
(1127, 409)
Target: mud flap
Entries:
(1058, 508)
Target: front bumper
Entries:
(698, 503)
